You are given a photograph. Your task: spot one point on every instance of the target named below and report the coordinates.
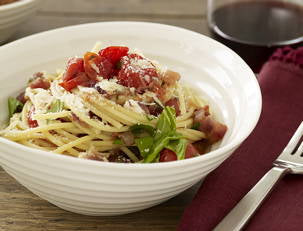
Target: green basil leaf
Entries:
(14, 106)
(144, 145)
(140, 128)
(56, 106)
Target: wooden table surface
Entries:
(19, 208)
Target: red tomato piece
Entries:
(114, 53)
(191, 151)
(31, 123)
(74, 66)
(96, 65)
(137, 72)
(80, 79)
(167, 155)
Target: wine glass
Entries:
(255, 28)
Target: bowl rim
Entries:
(15, 4)
(217, 152)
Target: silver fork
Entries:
(289, 161)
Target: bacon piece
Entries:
(170, 77)
(202, 146)
(213, 129)
(201, 113)
(21, 97)
(144, 107)
(127, 138)
(80, 122)
(38, 74)
(40, 82)
(191, 151)
(174, 102)
(155, 109)
(119, 157)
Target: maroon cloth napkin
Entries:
(281, 82)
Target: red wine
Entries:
(254, 29)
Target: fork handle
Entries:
(239, 215)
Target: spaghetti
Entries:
(113, 105)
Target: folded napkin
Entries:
(281, 82)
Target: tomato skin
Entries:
(131, 79)
(95, 65)
(132, 74)
(80, 79)
(74, 66)
(31, 123)
(114, 53)
(167, 155)
(191, 151)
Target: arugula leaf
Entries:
(166, 123)
(144, 145)
(150, 117)
(14, 106)
(165, 133)
(56, 106)
(163, 136)
(179, 147)
(140, 128)
(118, 141)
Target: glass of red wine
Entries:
(255, 28)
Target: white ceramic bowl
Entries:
(98, 188)
(13, 15)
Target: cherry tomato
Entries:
(191, 151)
(74, 66)
(31, 123)
(114, 53)
(167, 155)
(96, 65)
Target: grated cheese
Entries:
(110, 86)
(133, 105)
(40, 98)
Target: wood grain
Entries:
(41, 23)
(164, 8)
(22, 210)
